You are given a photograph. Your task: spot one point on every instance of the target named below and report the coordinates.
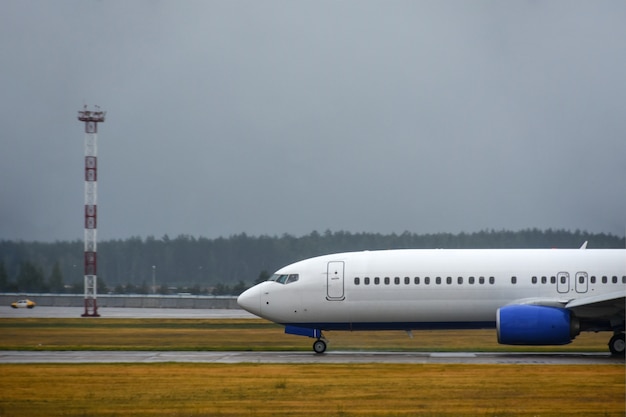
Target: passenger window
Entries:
(553, 280)
(624, 279)
(513, 280)
(407, 280)
(592, 279)
(386, 280)
(614, 280)
(544, 280)
(366, 280)
(396, 280)
(438, 280)
(534, 280)
(376, 281)
(492, 280)
(427, 280)
(357, 281)
(459, 280)
(604, 279)
(471, 280)
(449, 280)
(481, 280)
(416, 280)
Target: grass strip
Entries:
(242, 335)
(308, 389)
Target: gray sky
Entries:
(272, 117)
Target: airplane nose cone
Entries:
(250, 300)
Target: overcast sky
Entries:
(273, 117)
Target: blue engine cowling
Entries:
(535, 325)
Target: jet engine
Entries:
(535, 325)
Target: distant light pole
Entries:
(153, 279)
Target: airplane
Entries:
(530, 296)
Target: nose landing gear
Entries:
(319, 346)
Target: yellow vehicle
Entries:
(23, 303)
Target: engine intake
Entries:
(535, 325)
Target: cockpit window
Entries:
(284, 279)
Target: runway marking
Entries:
(453, 355)
(516, 358)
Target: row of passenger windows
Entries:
(580, 277)
(479, 280)
(425, 281)
(614, 280)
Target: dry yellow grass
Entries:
(304, 390)
(289, 390)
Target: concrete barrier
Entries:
(127, 301)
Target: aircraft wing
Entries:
(599, 306)
(609, 305)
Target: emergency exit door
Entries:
(581, 282)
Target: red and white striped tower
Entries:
(91, 119)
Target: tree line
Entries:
(229, 265)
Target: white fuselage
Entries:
(414, 289)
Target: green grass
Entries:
(242, 334)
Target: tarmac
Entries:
(517, 358)
(126, 313)
(335, 357)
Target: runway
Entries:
(342, 357)
(126, 313)
(560, 358)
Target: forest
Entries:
(223, 266)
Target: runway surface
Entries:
(263, 357)
(305, 357)
(127, 313)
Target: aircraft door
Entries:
(562, 282)
(581, 282)
(334, 281)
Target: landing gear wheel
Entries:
(319, 346)
(617, 346)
